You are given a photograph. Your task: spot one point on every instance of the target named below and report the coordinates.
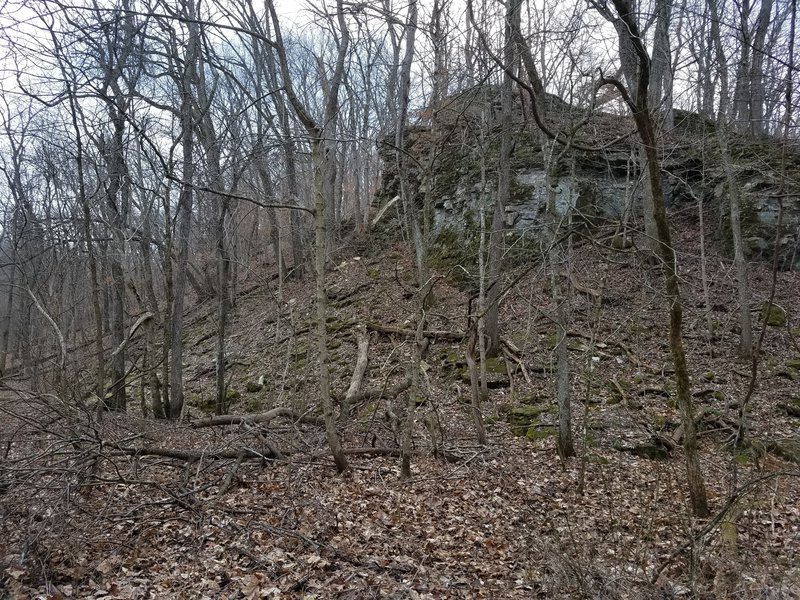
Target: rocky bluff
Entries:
(453, 162)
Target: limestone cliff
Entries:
(598, 180)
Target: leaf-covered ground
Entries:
(83, 518)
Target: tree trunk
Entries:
(321, 297)
(407, 195)
(413, 393)
(564, 444)
(647, 133)
(503, 184)
(292, 189)
(476, 393)
(734, 197)
(6, 328)
(322, 146)
(169, 298)
(117, 200)
(184, 219)
(788, 105)
(223, 302)
(90, 251)
(660, 73)
(207, 136)
(758, 125)
(630, 62)
(742, 277)
(152, 347)
(741, 91)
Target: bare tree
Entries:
(749, 92)
(185, 79)
(512, 21)
(630, 67)
(322, 138)
(646, 129)
(119, 71)
(734, 196)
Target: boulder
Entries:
(773, 315)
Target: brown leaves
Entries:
(502, 524)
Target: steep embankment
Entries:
(195, 517)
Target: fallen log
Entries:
(455, 336)
(358, 373)
(281, 411)
(379, 393)
(240, 454)
(142, 319)
(194, 455)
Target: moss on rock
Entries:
(254, 405)
(787, 449)
(526, 414)
(596, 459)
(793, 363)
(773, 315)
(621, 242)
(200, 402)
(650, 451)
(253, 386)
(523, 418)
(535, 433)
(496, 365)
(534, 398)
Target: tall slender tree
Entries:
(646, 128)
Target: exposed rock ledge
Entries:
(600, 186)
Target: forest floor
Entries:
(82, 518)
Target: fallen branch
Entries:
(383, 210)
(338, 297)
(511, 356)
(362, 452)
(141, 320)
(228, 481)
(195, 455)
(282, 411)
(241, 454)
(716, 520)
(358, 373)
(391, 392)
(61, 341)
(455, 336)
(582, 289)
(511, 346)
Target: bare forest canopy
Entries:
(441, 298)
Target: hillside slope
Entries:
(132, 508)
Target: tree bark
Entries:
(758, 125)
(503, 183)
(117, 200)
(647, 133)
(476, 394)
(323, 144)
(734, 197)
(556, 257)
(184, 216)
(362, 360)
(6, 328)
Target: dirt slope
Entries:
(505, 521)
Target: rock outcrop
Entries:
(598, 181)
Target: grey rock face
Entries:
(596, 186)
